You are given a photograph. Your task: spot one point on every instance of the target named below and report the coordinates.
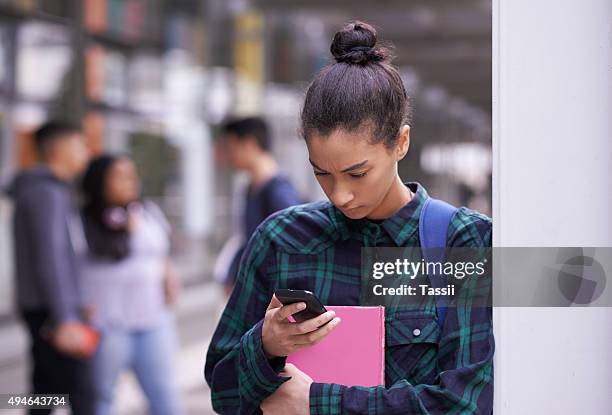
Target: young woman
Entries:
(354, 122)
(128, 283)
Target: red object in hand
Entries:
(91, 338)
(74, 339)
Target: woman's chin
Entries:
(356, 213)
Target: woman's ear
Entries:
(403, 143)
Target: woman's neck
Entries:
(396, 198)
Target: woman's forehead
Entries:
(123, 164)
(341, 149)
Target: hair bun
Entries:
(356, 44)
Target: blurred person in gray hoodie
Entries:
(48, 297)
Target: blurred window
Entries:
(44, 58)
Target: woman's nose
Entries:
(341, 197)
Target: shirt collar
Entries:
(400, 226)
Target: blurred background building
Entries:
(155, 78)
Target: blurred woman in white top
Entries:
(128, 284)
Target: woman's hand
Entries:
(172, 283)
(292, 397)
(281, 337)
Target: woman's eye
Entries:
(358, 175)
(319, 173)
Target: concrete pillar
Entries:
(552, 186)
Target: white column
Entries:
(552, 182)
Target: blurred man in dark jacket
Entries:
(249, 149)
(47, 284)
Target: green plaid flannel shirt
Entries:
(442, 370)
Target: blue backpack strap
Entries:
(434, 221)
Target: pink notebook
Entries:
(353, 354)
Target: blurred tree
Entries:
(157, 162)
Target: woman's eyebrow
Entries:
(314, 165)
(351, 168)
(355, 166)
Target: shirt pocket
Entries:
(411, 348)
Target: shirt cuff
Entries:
(259, 377)
(326, 398)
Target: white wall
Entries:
(552, 182)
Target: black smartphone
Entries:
(313, 308)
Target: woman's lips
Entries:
(350, 210)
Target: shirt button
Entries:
(416, 332)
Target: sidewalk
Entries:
(197, 312)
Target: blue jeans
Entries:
(150, 354)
